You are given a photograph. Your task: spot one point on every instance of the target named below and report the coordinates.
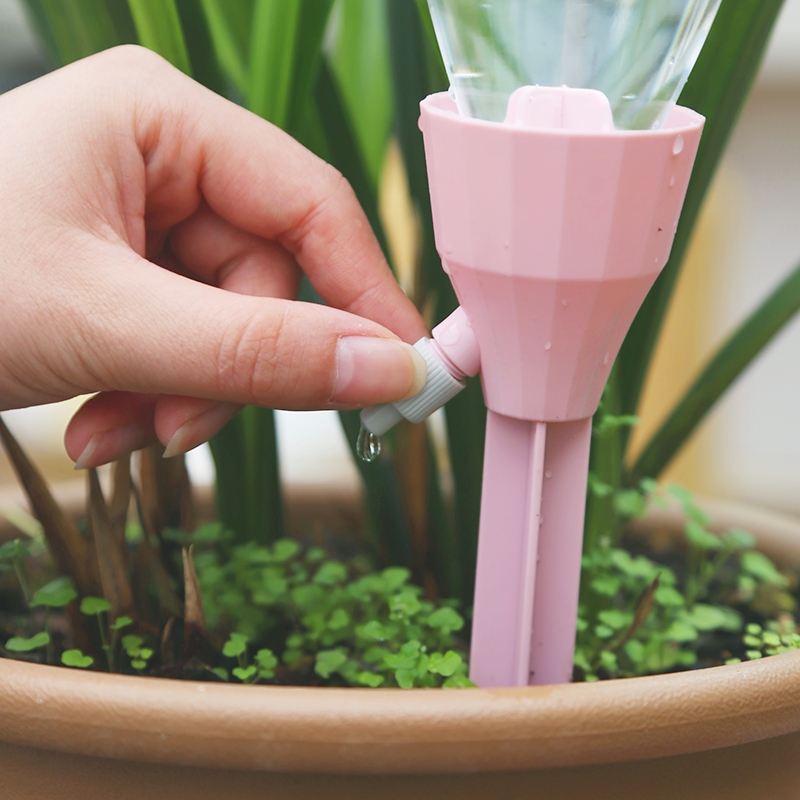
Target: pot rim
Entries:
(385, 731)
(374, 731)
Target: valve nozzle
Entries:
(451, 354)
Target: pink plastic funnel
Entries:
(552, 226)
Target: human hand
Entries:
(153, 236)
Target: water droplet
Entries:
(672, 181)
(506, 244)
(656, 261)
(548, 346)
(605, 360)
(678, 146)
(368, 446)
(564, 303)
(629, 97)
(549, 474)
(448, 248)
(541, 522)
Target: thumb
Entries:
(166, 334)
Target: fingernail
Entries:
(200, 428)
(370, 370)
(106, 446)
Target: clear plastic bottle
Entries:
(639, 53)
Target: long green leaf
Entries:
(74, 29)
(314, 15)
(272, 58)
(229, 50)
(248, 496)
(158, 26)
(735, 355)
(359, 58)
(343, 148)
(197, 33)
(719, 85)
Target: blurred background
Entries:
(748, 240)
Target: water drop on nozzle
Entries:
(368, 445)
(677, 147)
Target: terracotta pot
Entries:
(726, 732)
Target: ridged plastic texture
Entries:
(552, 239)
(440, 387)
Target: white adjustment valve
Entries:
(440, 386)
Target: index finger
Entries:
(261, 180)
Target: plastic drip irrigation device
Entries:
(554, 211)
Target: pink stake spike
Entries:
(558, 575)
(507, 547)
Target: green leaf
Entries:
(606, 585)
(405, 678)
(120, 623)
(158, 26)
(131, 644)
(706, 618)
(235, 646)
(329, 661)
(669, 596)
(635, 651)
(369, 679)
(331, 573)
(15, 550)
(75, 658)
(446, 620)
(74, 29)
(400, 661)
(359, 58)
(372, 630)
(266, 659)
(724, 367)
(759, 566)
(609, 661)
(18, 645)
(446, 664)
(244, 674)
(681, 632)
(338, 620)
(739, 539)
(55, 594)
(700, 538)
(94, 605)
(458, 682)
(616, 619)
(229, 51)
(630, 503)
(603, 631)
(285, 549)
(395, 577)
(272, 58)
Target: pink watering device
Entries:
(552, 225)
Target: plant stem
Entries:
(104, 639)
(49, 652)
(19, 569)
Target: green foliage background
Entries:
(343, 77)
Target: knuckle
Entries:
(257, 360)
